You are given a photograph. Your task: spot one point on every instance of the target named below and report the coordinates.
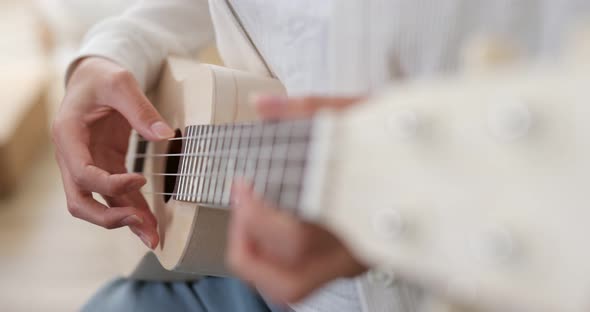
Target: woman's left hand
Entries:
(283, 257)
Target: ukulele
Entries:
(189, 176)
(472, 186)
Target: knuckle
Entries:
(109, 223)
(145, 113)
(109, 190)
(78, 178)
(293, 291)
(112, 187)
(74, 209)
(119, 79)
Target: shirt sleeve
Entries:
(144, 35)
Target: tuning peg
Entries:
(498, 245)
(384, 278)
(403, 124)
(509, 119)
(389, 224)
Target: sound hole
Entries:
(172, 162)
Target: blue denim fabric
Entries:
(208, 294)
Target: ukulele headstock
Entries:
(474, 186)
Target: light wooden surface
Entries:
(192, 238)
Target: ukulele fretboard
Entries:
(271, 155)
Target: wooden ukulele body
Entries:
(193, 237)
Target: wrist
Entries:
(92, 66)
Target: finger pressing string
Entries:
(292, 128)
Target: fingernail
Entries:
(132, 220)
(162, 130)
(145, 240)
(268, 100)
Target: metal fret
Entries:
(191, 165)
(263, 160)
(198, 149)
(214, 167)
(200, 162)
(244, 141)
(213, 160)
(208, 168)
(182, 180)
(195, 158)
(203, 164)
(232, 161)
(278, 163)
(223, 162)
(253, 153)
(194, 163)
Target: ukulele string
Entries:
(265, 148)
(164, 193)
(297, 125)
(195, 175)
(217, 205)
(290, 161)
(235, 152)
(225, 136)
(222, 205)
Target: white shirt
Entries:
(329, 47)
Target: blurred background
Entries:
(49, 261)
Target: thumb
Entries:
(142, 115)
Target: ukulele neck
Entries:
(273, 156)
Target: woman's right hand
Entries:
(91, 131)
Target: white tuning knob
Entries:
(509, 119)
(499, 246)
(403, 124)
(386, 279)
(389, 224)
